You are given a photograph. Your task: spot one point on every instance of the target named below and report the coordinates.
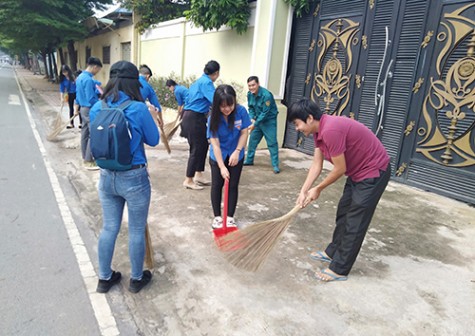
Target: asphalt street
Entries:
(41, 288)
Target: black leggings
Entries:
(217, 183)
(194, 127)
(71, 98)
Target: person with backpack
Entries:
(122, 119)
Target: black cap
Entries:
(124, 69)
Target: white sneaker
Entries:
(217, 222)
(230, 222)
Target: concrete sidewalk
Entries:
(414, 276)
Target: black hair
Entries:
(302, 109)
(129, 86)
(66, 68)
(145, 70)
(94, 61)
(211, 67)
(253, 78)
(170, 82)
(224, 94)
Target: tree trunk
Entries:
(61, 56)
(44, 54)
(27, 61)
(55, 67)
(50, 64)
(37, 63)
(72, 56)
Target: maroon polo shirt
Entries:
(365, 155)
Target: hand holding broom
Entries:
(159, 118)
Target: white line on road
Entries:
(14, 100)
(102, 310)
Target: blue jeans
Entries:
(115, 189)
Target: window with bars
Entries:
(88, 53)
(106, 55)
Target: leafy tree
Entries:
(299, 6)
(44, 25)
(214, 14)
(155, 11)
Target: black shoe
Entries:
(104, 285)
(248, 163)
(136, 285)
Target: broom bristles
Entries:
(249, 248)
(171, 127)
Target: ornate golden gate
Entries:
(439, 149)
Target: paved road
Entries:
(42, 291)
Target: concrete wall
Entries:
(176, 46)
(112, 38)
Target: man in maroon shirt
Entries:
(357, 153)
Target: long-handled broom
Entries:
(59, 125)
(249, 248)
(148, 261)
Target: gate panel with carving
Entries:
(443, 144)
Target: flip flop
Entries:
(319, 256)
(333, 277)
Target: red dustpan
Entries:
(224, 230)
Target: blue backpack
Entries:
(110, 138)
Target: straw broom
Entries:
(249, 248)
(171, 127)
(164, 136)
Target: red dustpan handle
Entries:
(226, 201)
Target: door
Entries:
(347, 47)
(438, 151)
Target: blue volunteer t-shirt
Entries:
(181, 94)
(229, 138)
(200, 95)
(86, 90)
(147, 92)
(141, 125)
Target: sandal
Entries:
(320, 256)
(333, 277)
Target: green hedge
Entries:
(167, 99)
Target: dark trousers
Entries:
(71, 98)
(217, 183)
(194, 127)
(355, 210)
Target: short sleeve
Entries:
(209, 134)
(246, 120)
